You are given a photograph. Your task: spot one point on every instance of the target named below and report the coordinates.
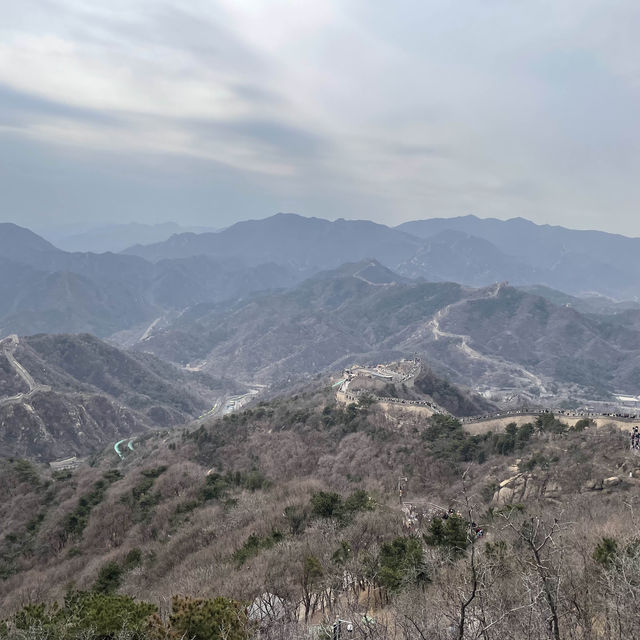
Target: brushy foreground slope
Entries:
(328, 510)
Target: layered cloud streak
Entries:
(357, 109)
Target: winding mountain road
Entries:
(116, 446)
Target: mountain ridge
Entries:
(73, 394)
(48, 290)
(492, 337)
(516, 250)
(45, 289)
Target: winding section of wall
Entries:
(8, 346)
(494, 422)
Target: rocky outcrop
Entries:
(609, 483)
(526, 486)
(592, 485)
(602, 484)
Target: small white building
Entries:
(67, 463)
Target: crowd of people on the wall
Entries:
(635, 439)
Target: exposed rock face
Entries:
(552, 491)
(526, 486)
(614, 481)
(599, 484)
(521, 487)
(592, 485)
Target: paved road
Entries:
(210, 412)
(116, 446)
(235, 403)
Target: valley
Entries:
(512, 347)
(46, 289)
(72, 395)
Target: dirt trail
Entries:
(147, 334)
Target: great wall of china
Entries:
(477, 424)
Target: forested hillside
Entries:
(404, 526)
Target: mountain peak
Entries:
(21, 245)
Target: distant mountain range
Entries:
(113, 237)
(577, 262)
(468, 250)
(287, 296)
(45, 289)
(70, 394)
(307, 244)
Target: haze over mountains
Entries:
(47, 289)
(469, 250)
(277, 300)
(113, 237)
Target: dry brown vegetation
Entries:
(196, 503)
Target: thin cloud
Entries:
(335, 109)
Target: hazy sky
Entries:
(210, 111)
